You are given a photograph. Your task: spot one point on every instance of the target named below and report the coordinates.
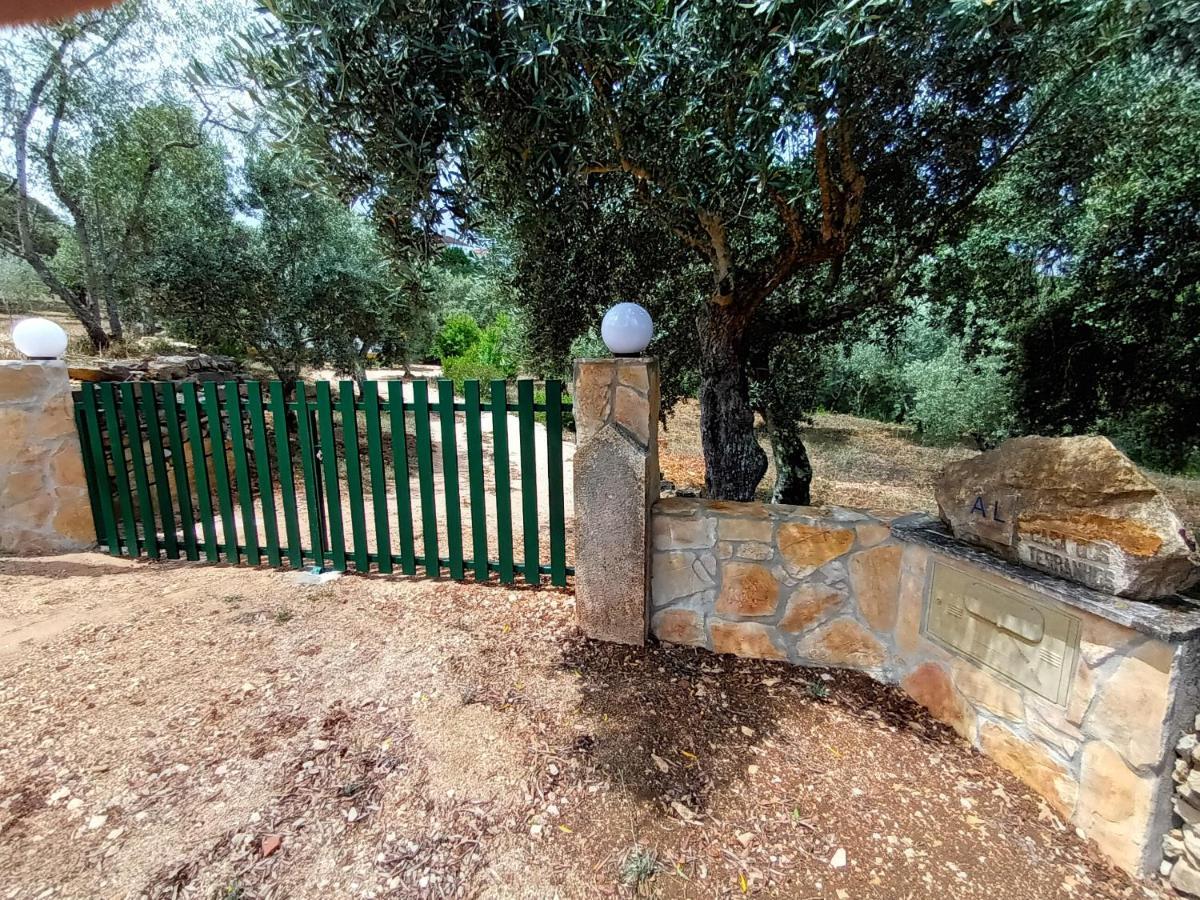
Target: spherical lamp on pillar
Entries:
(627, 329)
(40, 338)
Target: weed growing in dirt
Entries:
(818, 690)
(638, 867)
(233, 599)
(283, 615)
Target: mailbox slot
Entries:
(1003, 628)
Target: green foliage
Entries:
(755, 173)
(458, 335)
(306, 281)
(955, 397)
(490, 353)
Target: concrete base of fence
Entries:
(44, 504)
(616, 483)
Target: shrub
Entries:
(955, 397)
(457, 336)
(463, 368)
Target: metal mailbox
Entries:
(1007, 630)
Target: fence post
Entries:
(44, 505)
(616, 405)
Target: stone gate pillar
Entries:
(617, 478)
(44, 504)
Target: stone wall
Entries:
(850, 589)
(44, 504)
(1181, 846)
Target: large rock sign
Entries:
(1074, 507)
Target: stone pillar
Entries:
(616, 482)
(44, 504)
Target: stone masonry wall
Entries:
(43, 491)
(836, 588)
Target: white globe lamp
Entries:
(627, 329)
(40, 338)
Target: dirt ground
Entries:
(862, 463)
(180, 730)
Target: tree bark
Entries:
(734, 463)
(793, 471)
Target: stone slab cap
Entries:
(1075, 507)
(1173, 619)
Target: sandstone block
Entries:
(73, 519)
(632, 411)
(747, 589)
(591, 396)
(911, 600)
(753, 550)
(748, 639)
(808, 604)
(842, 643)
(1074, 507)
(634, 376)
(678, 574)
(929, 684)
(1048, 723)
(1034, 766)
(745, 530)
(679, 626)
(810, 546)
(24, 382)
(677, 533)
(872, 533)
(1115, 805)
(988, 692)
(1131, 706)
(875, 577)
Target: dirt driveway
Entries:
(174, 730)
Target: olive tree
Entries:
(781, 148)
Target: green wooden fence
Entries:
(236, 472)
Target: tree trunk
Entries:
(94, 330)
(793, 472)
(734, 463)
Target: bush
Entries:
(463, 368)
(955, 397)
(457, 336)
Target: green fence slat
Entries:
(408, 564)
(183, 488)
(429, 538)
(287, 479)
(383, 537)
(158, 463)
(310, 471)
(529, 513)
(358, 525)
(454, 542)
(241, 470)
(329, 468)
(89, 470)
(554, 483)
(502, 467)
(191, 409)
(137, 462)
(479, 542)
(220, 465)
(262, 471)
(100, 468)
